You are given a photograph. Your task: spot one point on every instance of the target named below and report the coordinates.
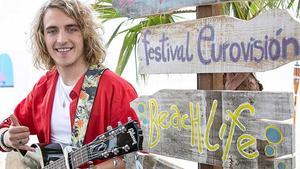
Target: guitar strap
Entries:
(85, 103)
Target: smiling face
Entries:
(63, 39)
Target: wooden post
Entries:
(209, 81)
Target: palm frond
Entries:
(249, 9)
(115, 33)
(105, 10)
(242, 9)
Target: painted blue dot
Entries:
(269, 151)
(281, 165)
(145, 121)
(273, 135)
(141, 108)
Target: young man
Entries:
(66, 43)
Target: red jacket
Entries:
(111, 105)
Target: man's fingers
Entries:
(18, 129)
(14, 120)
(26, 140)
(21, 144)
(27, 148)
(19, 136)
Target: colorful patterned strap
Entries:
(85, 103)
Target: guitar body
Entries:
(43, 156)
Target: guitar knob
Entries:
(129, 119)
(115, 151)
(90, 163)
(108, 128)
(126, 148)
(123, 129)
(112, 133)
(105, 154)
(119, 124)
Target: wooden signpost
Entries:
(231, 129)
(140, 8)
(220, 44)
(241, 130)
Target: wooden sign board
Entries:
(140, 8)
(229, 129)
(220, 44)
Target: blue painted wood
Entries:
(6, 71)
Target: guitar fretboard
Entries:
(75, 158)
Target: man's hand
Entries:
(17, 136)
(116, 163)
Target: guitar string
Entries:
(76, 153)
(76, 156)
(117, 130)
(53, 165)
(80, 152)
(83, 150)
(61, 162)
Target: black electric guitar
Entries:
(121, 140)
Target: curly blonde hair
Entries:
(94, 51)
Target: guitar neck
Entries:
(75, 158)
(118, 141)
(60, 163)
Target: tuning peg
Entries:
(115, 151)
(90, 163)
(126, 148)
(100, 138)
(112, 133)
(119, 124)
(105, 154)
(129, 119)
(108, 128)
(122, 129)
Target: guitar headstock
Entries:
(121, 140)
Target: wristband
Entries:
(2, 144)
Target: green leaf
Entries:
(129, 43)
(114, 34)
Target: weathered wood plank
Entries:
(140, 8)
(214, 127)
(150, 161)
(220, 44)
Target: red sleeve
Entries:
(121, 109)
(23, 112)
(116, 93)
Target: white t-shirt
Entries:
(60, 120)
